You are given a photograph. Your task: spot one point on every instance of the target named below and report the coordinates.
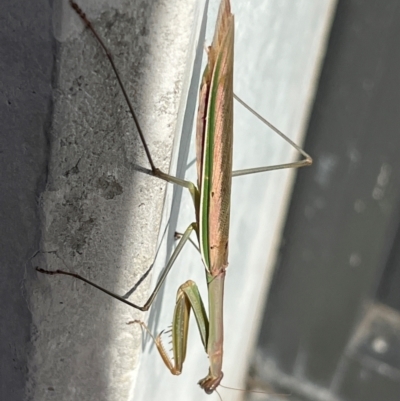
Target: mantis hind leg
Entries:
(160, 282)
(306, 161)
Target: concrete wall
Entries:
(26, 68)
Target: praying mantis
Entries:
(212, 380)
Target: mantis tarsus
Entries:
(211, 199)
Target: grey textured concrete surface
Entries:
(26, 67)
(99, 214)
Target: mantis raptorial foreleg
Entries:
(187, 298)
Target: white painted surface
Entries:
(278, 49)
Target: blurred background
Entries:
(331, 326)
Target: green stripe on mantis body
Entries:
(207, 161)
